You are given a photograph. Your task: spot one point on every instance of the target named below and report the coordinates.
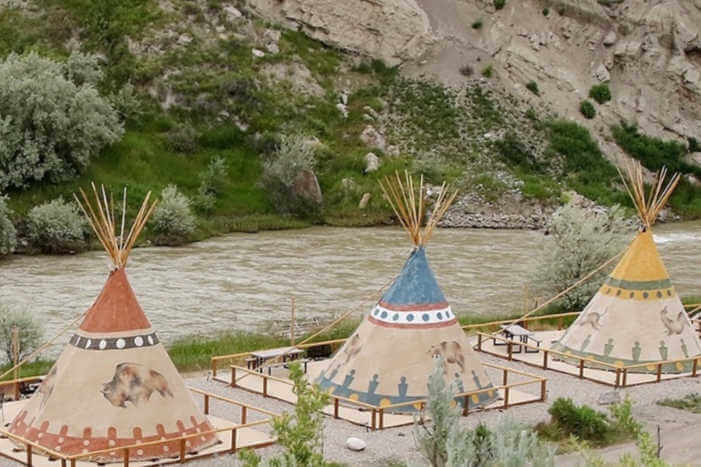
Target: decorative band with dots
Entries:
(413, 318)
(114, 343)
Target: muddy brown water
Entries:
(245, 281)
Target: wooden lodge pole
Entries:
(292, 322)
(15, 362)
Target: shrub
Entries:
(294, 155)
(600, 93)
(300, 434)
(516, 153)
(693, 144)
(546, 11)
(56, 227)
(466, 70)
(8, 234)
(126, 102)
(50, 125)
(182, 138)
(533, 87)
(499, 4)
(477, 24)
(587, 109)
(173, 221)
(29, 331)
(487, 71)
(581, 421)
(212, 183)
(580, 241)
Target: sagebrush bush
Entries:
(172, 221)
(294, 155)
(533, 87)
(580, 241)
(488, 71)
(499, 4)
(52, 118)
(587, 109)
(8, 234)
(477, 24)
(212, 183)
(600, 93)
(56, 227)
(182, 138)
(29, 332)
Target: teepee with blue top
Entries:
(390, 356)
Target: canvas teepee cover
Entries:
(390, 356)
(636, 316)
(114, 384)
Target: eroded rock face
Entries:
(394, 30)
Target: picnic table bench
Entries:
(520, 335)
(259, 357)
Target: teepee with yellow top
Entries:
(636, 317)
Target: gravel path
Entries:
(397, 444)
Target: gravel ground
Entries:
(397, 444)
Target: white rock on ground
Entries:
(373, 138)
(372, 162)
(355, 444)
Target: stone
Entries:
(610, 38)
(393, 150)
(306, 186)
(364, 201)
(601, 74)
(231, 13)
(372, 162)
(184, 39)
(355, 444)
(258, 53)
(272, 47)
(609, 398)
(343, 109)
(373, 138)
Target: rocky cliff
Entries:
(649, 51)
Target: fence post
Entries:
(506, 397)
(543, 391)
(479, 341)
(265, 386)
(214, 368)
(545, 359)
(29, 455)
(581, 368)
(63, 462)
(505, 378)
(625, 377)
(73, 462)
(466, 405)
(335, 407)
(126, 457)
(374, 413)
(233, 440)
(560, 323)
(509, 349)
(618, 378)
(694, 366)
(206, 404)
(233, 376)
(244, 414)
(659, 372)
(382, 418)
(182, 451)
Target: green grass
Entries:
(690, 403)
(38, 367)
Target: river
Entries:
(245, 281)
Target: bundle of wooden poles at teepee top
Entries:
(407, 201)
(102, 220)
(649, 206)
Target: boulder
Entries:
(258, 53)
(306, 186)
(601, 73)
(610, 38)
(231, 13)
(355, 444)
(364, 201)
(373, 138)
(372, 162)
(609, 398)
(343, 109)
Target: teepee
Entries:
(114, 384)
(390, 356)
(636, 316)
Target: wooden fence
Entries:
(377, 412)
(32, 448)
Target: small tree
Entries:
(56, 227)
(8, 234)
(29, 332)
(580, 241)
(212, 183)
(587, 109)
(301, 434)
(173, 221)
(53, 120)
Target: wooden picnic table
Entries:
(511, 331)
(261, 356)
